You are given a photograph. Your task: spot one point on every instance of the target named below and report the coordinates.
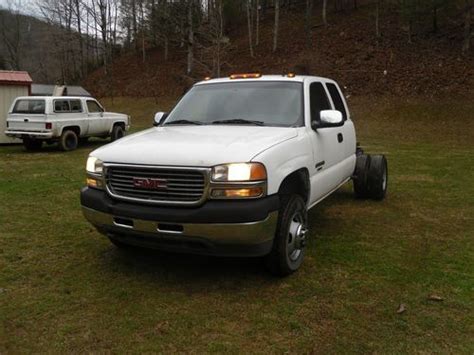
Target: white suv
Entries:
(232, 170)
(62, 119)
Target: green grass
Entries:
(64, 287)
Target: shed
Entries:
(12, 85)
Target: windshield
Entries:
(29, 106)
(276, 103)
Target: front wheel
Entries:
(290, 239)
(117, 133)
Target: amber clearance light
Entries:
(246, 76)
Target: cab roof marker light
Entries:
(291, 75)
(207, 78)
(245, 76)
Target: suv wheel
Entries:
(117, 133)
(32, 144)
(290, 239)
(361, 172)
(68, 140)
(377, 178)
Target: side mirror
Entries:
(160, 117)
(329, 118)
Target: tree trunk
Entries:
(249, 26)
(275, 29)
(377, 19)
(81, 40)
(466, 47)
(325, 6)
(435, 18)
(190, 38)
(257, 22)
(307, 25)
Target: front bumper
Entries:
(30, 134)
(224, 228)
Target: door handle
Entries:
(340, 137)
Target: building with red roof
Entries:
(12, 85)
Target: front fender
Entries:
(285, 158)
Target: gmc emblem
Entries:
(149, 183)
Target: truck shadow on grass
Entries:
(178, 268)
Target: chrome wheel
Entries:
(296, 237)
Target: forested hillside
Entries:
(160, 47)
(371, 47)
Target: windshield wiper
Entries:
(184, 122)
(239, 121)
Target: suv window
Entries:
(337, 99)
(29, 106)
(318, 100)
(93, 106)
(76, 105)
(61, 106)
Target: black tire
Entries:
(290, 238)
(32, 145)
(68, 140)
(377, 179)
(361, 172)
(117, 133)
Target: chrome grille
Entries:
(173, 185)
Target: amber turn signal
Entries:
(238, 193)
(94, 183)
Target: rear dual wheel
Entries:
(371, 177)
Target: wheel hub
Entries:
(296, 237)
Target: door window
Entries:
(337, 99)
(93, 107)
(318, 101)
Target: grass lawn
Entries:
(64, 287)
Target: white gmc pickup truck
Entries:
(232, 170)
(62, 119)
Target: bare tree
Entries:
(275, 27)
(324, 12)
(467, 27)
(307, 22)
(249, 25)
(189, 67)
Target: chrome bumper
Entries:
(252, 233)
(20, 134)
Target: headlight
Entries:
(239, 172)
(94, 165)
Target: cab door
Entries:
(95, 114)
(347, 130)
(327, 145)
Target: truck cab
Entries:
(232, 170)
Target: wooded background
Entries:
(67, 40)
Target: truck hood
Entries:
(203, 146)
